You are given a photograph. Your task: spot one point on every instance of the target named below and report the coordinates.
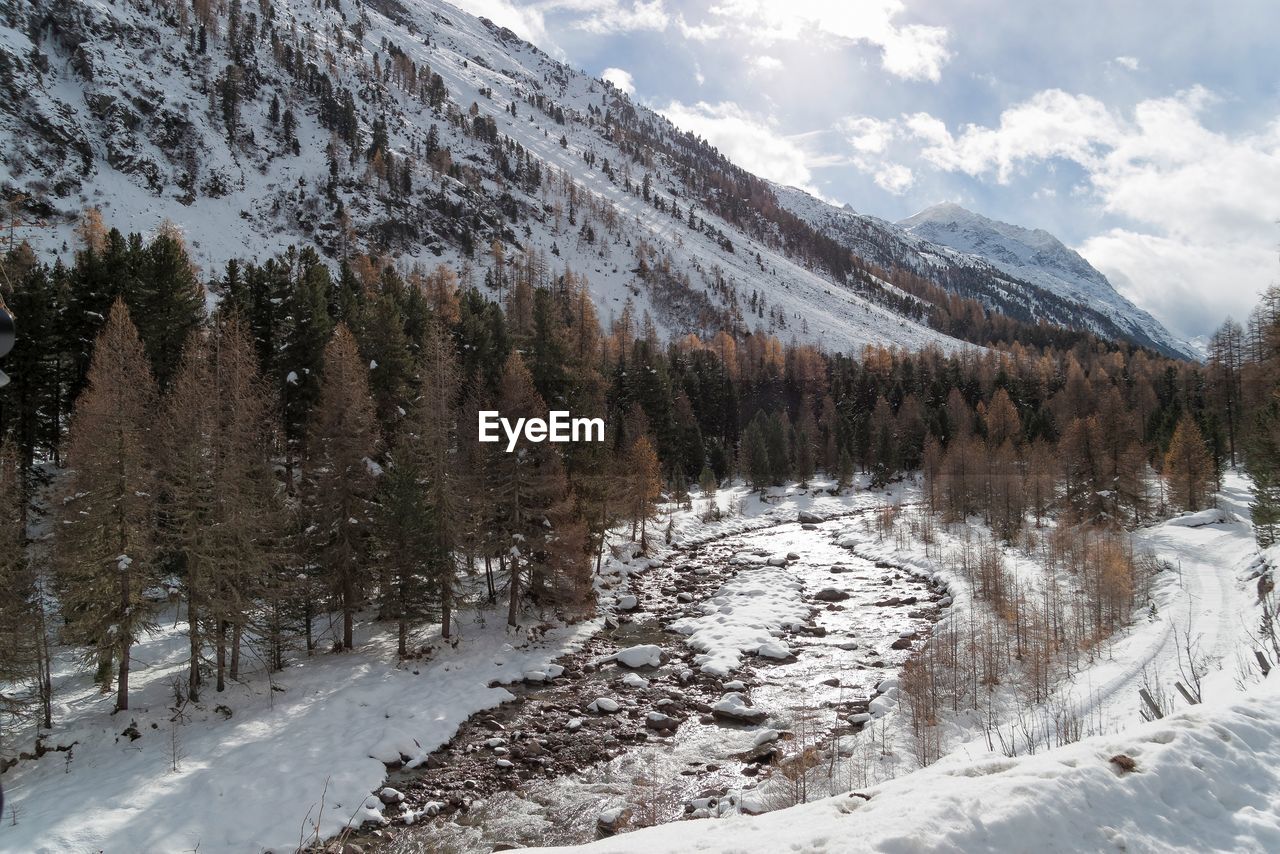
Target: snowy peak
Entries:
(1037, 257)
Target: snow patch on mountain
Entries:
(1036, 256)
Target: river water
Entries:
(542, 770)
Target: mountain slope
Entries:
(410, 130)
(1035, 256)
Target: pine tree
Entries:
(106, 538)
(419, 511)
(525, 489)
(222, 512)
(644, 486)
(24, 659)
(166, 300)
(339, 482)
(1188, 466)
(755, 455)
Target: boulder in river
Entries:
(612, 820)
(774, 649)
(659, 721)
(643, 655)
(737, 707)
(808, 517)
(831, 594)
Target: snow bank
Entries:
(1206, 779)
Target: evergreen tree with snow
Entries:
(106, 537)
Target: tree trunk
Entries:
(235, 651)
(513, 604)
(306, 615)
(348, 611)
(221, 642)
(122, 679)
(193, 633)
(445, 605)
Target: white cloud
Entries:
(611, 16)
(868, 135)
(1130, 63)
(1052, 124)
(1191, 285)
(750, 142)
(699, 32)
(913, 51)
(893, 177)
(870, 139)
(765, 64)
(525, 21)
(620, 78)
(1205, 202)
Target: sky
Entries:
(1143, 133)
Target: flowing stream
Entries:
(544, 770)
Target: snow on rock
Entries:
(659, 721)
(749, 611)
(635, 680)
(611, 820)
(737, 707)
(881, 706)
(766, 736)
(643, 655)
(628, 602)
(603, 706)
(774, 649)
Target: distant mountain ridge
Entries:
(1036, 256)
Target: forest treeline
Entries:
(280, 442)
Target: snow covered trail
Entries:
(1203, 594)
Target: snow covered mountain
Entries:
(1027, 275)
(411, 130)
(1036, 256)
(414, 131)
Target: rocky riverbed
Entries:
(737, 660)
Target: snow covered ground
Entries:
(1205, 779)
(1206, 776)
(300, 752)
(298, 755)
